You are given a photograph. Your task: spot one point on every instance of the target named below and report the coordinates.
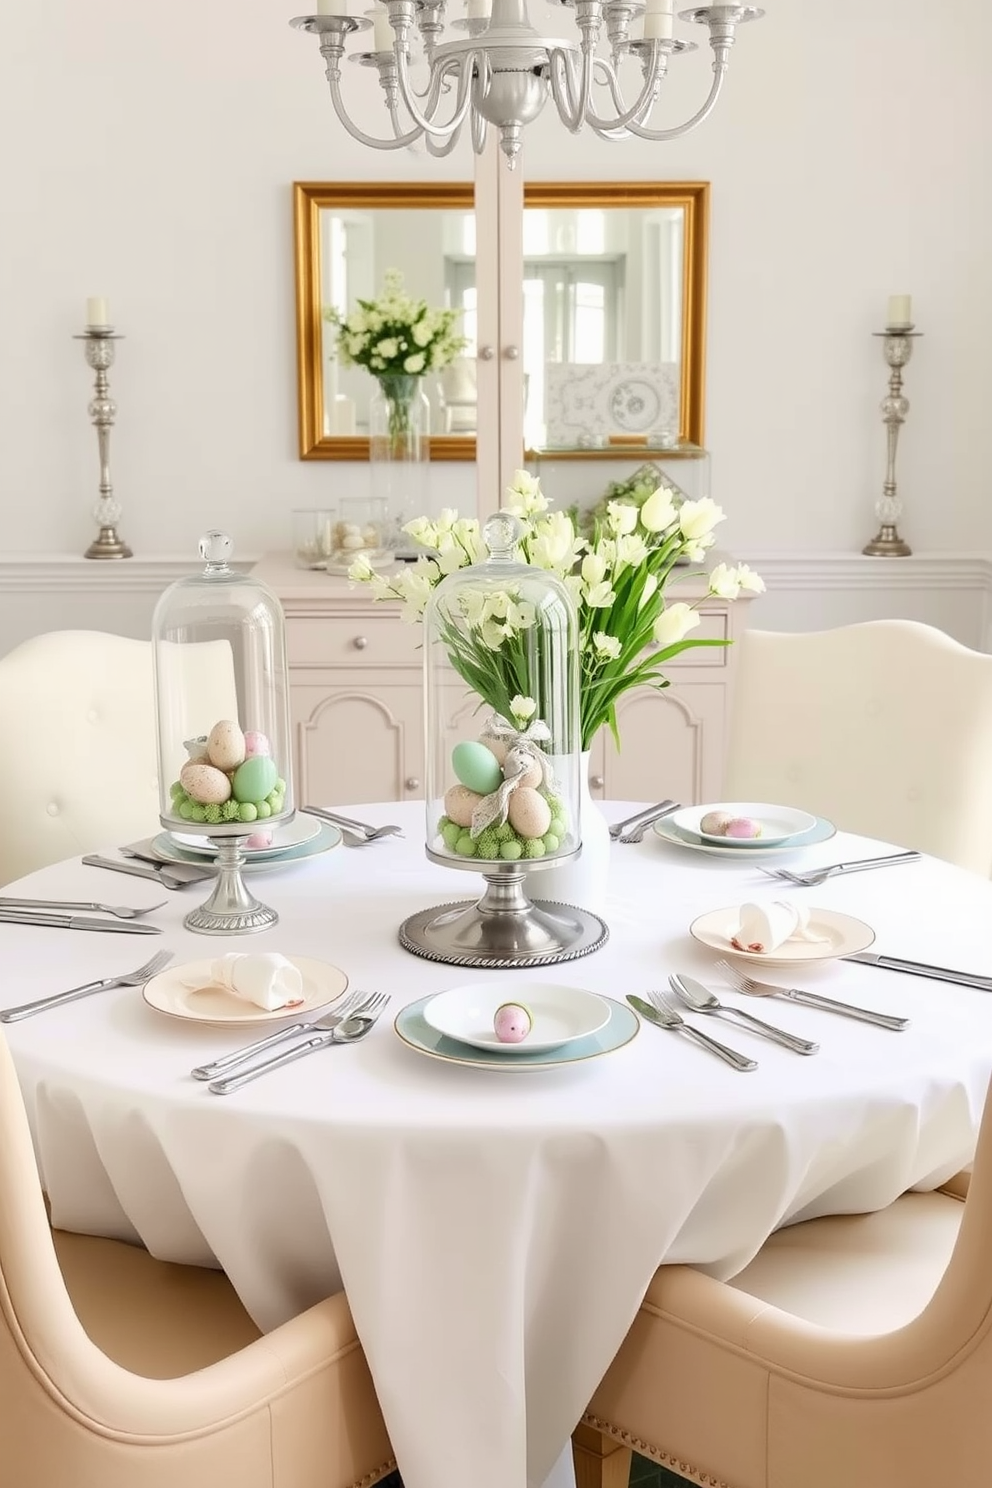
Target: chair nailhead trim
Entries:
(655, 1454)
(375, 1475)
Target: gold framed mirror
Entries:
(614, 276)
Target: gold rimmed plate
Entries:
(169, 993)
(414, 1031)
(838, 935)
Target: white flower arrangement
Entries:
(617, 578)
(396, 334)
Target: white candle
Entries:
(332, 7)
(478, 10)
(900, 310)
(97, 313)
(658, 20)
(383, 34)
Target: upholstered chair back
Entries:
(884, 727)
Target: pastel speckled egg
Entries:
(226, 745)
(476, 767)
(497, 747)
(204, 783)
(531, 777)
(255, 778)
(530, 814)
(743, 827)
(256, 743)
(512, 1023)
(459, 803)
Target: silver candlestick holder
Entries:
(98, 348)
(897, 347)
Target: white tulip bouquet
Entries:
(617, 576)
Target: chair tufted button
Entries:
(793, 773)
(52, 809)
(92, 716)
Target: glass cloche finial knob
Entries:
(216, 548)
(501, 535)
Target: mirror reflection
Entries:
(612, 339)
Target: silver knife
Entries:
(76, 922)
(172, 875)
(923, 969)
(189, 872)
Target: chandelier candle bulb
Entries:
(97, 313)
(658, 20)
(900, 310)
(332, 7)
(383, 34)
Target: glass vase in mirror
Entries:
(399, 450)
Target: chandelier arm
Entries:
(480, 131)
(438, 151)
(655, 72)
(400, 142)
(659, 135)
(426, 124)
(561, 77)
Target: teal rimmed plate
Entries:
(412, 1028)
(259, 862)
(667, 830)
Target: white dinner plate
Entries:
(301, 829)
(261, 861)
(779, 824)
(414, 1031)
(842, 936)
(666, 829)
(167, 993)
(560, 1015)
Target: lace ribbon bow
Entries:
(524, 752)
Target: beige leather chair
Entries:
(77, 741)
(853, 1352)
(120, 1371)
(885, 728)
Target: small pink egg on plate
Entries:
(259, 840)
(512, 1023)
(744, 827)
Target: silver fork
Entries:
(355, 1002)
(360, 829)
(647, 813)
(119, 911)
(129, 979)
(351, 1031)
(636, 833)
(673, 1019)
(817, 876)
(754, 988)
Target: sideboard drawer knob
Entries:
(360, 642)
(412, 783)
(597, 782)
(486, 353)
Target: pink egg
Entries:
(744, 827)
(259, 839)
(512, 1023)
(256, 743)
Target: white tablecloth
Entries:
(495, 1232)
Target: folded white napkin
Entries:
(266, 979)
(764, 927)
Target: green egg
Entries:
(476, 766)
(254, 779)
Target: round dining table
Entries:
(495, 1230)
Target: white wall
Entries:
(149, 153)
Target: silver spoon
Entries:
(358, 829)
(351, 1031)
(120, 911)
(702, 1000)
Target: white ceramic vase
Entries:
(584, 881)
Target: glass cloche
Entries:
(502, 744)
(222, 709)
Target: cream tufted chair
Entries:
(122, 1371)
(884, 727)
(854, 1350)
(77, 743)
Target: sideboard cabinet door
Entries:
(357, 740)
(671, 743)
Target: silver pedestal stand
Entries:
(505, 928)
(231, 909)
(897, 345)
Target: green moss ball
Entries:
(551, 843)
(505, 833)
(534, 847)
(186, 810)
(247, 812)
(211, 813)
(487, 844)
(465, 846)
(264, 809)
(451, 832)
(511, 851)
(559, 826)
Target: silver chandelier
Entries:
(503, 69)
